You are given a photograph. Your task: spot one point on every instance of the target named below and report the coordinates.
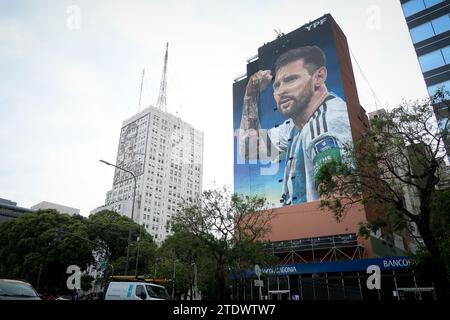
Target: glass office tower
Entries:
(429, 25)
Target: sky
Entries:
(70, 75)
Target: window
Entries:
(446, 54)
(422, 32)
(157, 292)
(431, 60)
(413, 6)
(430, 29)
(140, 292)
(430, 3)
(441, 24)
(432, 89)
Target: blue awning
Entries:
(387, 263)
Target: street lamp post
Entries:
(132, 211)
(137, 254)
(194, 295)
(39, 277)
(173, 276)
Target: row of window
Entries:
(435, 59)
(413, 6)
(155, 211)
(147, 217)
(443, 85)
(174, 194)
(175, 180)
(154, 228)
(430, 28)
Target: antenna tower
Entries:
(140, 92)
(162, 99)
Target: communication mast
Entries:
(162, 99)
(140, 92)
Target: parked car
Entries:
(17, 290)
(135, 291)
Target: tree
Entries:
(180, 251)
(111, 229)
(224, 222)
(147, 253)
(401, 152)
(86, 282)
(28, 247)
(440, 226)
(47, 242)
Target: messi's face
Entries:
(293, 88)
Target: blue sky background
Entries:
(65, 92)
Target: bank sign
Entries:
(387, 263)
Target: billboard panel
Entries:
(290, 116)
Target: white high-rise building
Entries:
(166, 156)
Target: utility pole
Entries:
(194, 294)
(257, 270)
(39, 277)
(132, 210)
(137, 254)
(173, 278)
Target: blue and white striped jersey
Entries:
(320, 140)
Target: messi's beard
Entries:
(301, 103)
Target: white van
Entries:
(135, 291)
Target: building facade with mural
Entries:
(297, 107)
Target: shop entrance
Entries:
(416, 293)
(279, 295)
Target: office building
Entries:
(10, 210)
(58, 207)
(429, 26)
(166, 155)
(320, 258)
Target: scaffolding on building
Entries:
(318, 249)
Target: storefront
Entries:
(339, 280)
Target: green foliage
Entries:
(440, 223)
(110, 228)
(398, 158)
(180, 251)
(246, 253)
(147, 254)
(228, 230)
(86, 282)
(27, 243)
(32, 243)
(366, 229)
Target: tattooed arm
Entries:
(251, 139)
